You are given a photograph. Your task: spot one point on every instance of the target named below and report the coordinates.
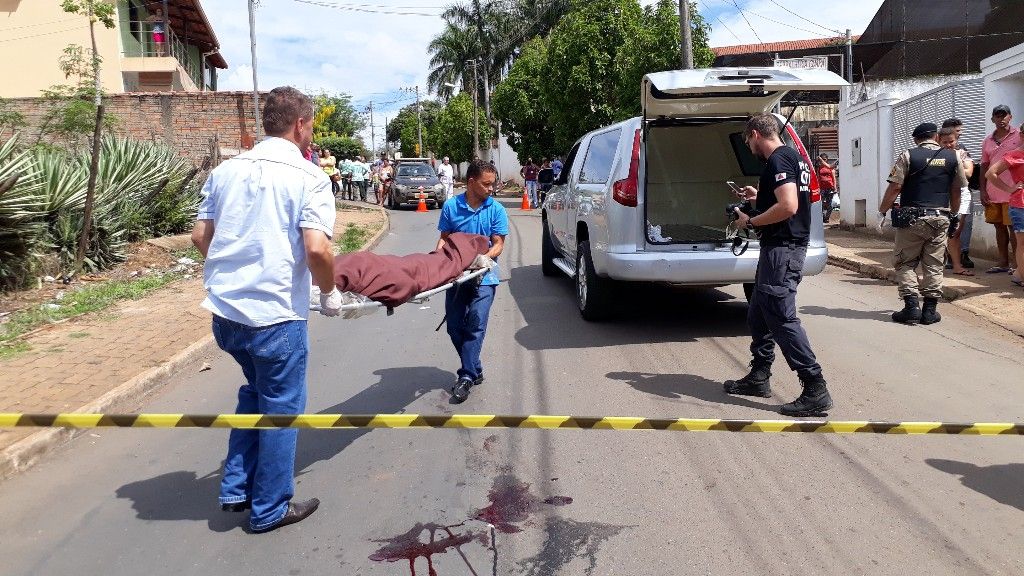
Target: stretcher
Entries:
(357, 305)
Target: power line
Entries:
(734, 35)
(38, 25)
(370, 8)
(805, 19)
(756, 35)
(45, 34)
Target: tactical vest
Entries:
(929, 176)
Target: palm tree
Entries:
(451, 51)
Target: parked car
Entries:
(413, 178)
(645, 200)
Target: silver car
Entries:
(645, 200)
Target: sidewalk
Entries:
(990, 296)
(108, 361)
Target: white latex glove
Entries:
(330, 303)
(482, 261)
(881, 222)
(353, 298)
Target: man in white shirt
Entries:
(446, 173)
(265, 225)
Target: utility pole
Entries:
(373, 140)
(419, 122)
(255, 87)
(476, 113)
(849, 57)
(685, 33)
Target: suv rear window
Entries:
(597, 165)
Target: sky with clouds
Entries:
(372, 49)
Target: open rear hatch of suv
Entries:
(694, 121)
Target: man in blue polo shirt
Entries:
(468, 306)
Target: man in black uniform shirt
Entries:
(783, 219)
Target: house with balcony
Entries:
(34, 34)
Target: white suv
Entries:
(645, 200)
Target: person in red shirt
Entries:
(1012, 161)
(827, 182)
(529, 173)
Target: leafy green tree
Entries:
(343, 146)
(450, 55)
(521, 106)
(402, 129)
(336, 116)
(588, 73)
(452, 132)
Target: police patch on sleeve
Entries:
(780, 176)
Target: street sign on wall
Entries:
(805, 62)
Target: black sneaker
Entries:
(813, 401)
(478, 380)
(461, 390)
(965, 259)
(757, 382)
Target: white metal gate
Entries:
(964, 99)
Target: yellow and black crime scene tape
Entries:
(327, 421)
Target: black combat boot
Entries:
(929, 315)
(813, 401)
(911, 313)
(757, 382)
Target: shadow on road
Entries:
(183, 495)
(644, 314)
(677, 386)
(1000, 482)
(848, 313)
(396, 389)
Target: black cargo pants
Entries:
(772, 313)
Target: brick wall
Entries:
(186, 121)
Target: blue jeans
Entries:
(260, 464)
(467, 308)
(531, 191)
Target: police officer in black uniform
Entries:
(928, 179)
(783, 219)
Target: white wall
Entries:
(504, 157)
(902, 88)
(861, 187)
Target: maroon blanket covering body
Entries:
(393, 280)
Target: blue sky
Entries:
(373, 48)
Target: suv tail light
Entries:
(814, 186)
(625, 191)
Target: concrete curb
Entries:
(28, 451)
(24, 453)
(841, 258)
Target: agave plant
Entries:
(20, 226)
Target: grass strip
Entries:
(75, 303)
(352, 238)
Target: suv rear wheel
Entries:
(593, 293)
(547, 253)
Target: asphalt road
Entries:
(129, 502)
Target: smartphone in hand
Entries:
(736, 189)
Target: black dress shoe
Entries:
(461, 390)
(297, 512)
(236, 506)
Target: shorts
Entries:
(998, 213)
(158, 37)
(1017, 219)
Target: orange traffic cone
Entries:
(422, 206)
(526, 201)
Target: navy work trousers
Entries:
(772, 313)
(466, 309)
